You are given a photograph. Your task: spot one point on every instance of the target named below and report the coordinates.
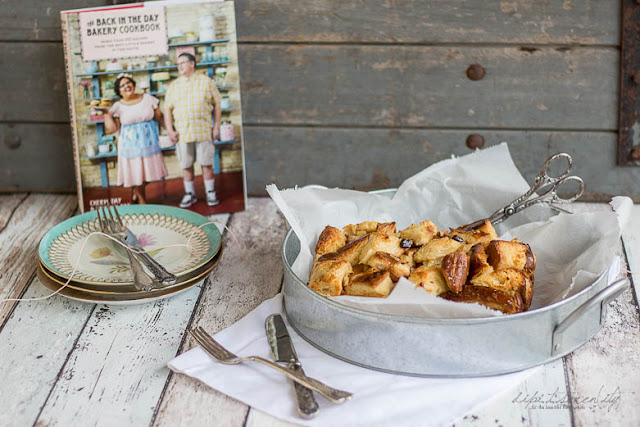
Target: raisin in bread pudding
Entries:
(368, 259)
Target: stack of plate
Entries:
(99, 268)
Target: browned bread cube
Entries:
(455, 269)
(430, 278)
(350, 252)
(492, 298)
(502, 254)
(355, 231)
(386, 228)
(390, 263)
(331, 239)
(369, 284)
(328, 277)
(436, 249)
(419, 234)
(509, 280)
(379, 242)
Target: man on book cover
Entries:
(188, 105)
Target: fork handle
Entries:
(157, 270)
(334, 395)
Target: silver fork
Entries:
(158, 272)
(223, 355)
(141, 280)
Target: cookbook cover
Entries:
(154, 100)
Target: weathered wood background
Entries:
(362, 94)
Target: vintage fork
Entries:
(141, 280)
(223, 355)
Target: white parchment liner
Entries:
(571, 249)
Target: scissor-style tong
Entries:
(545, 187)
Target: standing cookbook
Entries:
(154, 100)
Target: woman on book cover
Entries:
(136, 116)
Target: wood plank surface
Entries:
(30, 220)
(40, 21)
(43, 161)
(8, 205)
(360, 159)
(380, 86)
(249, 272)
(426, 86)
(34, 346)
(33, 83)
(589, 22)
(371, 159)
(518, 407)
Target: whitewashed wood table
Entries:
(68, 363)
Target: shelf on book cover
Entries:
(93, 122)
(163, 67)
(217, 41)
(101, 156)
(222, 87)
(228, 141)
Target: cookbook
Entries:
(155, 107)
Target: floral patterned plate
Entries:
(103, 261)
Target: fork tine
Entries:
(103, 227)
(112, 221)
(205, 345)
(118, 219)
(206, 341)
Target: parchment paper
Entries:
(572, 249)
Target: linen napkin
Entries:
(380, 399)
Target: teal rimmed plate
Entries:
(103, 261)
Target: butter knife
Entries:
(162, 276)
(283, 352)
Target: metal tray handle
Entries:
(563, 337)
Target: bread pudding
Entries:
(368, 259)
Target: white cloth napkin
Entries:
(380, 399)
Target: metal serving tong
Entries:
(545, 187)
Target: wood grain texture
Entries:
(34, 346)
(382, 86)
(417, 21)
(372, 159)
(42, 162)
(425, 86)
(38, 22)
(119, 361)
(29, 222)
(33, 83)
(249, 272)
(422, 21)
(608, 395)
(519, 407)
(8, 205)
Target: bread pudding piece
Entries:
(390, 263)
(419, 234)
(430, 278)
(507, 267)
(380, 242)
(372, 283)
(350, 252)
(356, 231)
(492, 298)
(502, 254)
(331, 239)
(386, 228)
(435, 250)
(328, 277)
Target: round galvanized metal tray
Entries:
(444, 347)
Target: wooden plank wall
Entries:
(362, 94)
